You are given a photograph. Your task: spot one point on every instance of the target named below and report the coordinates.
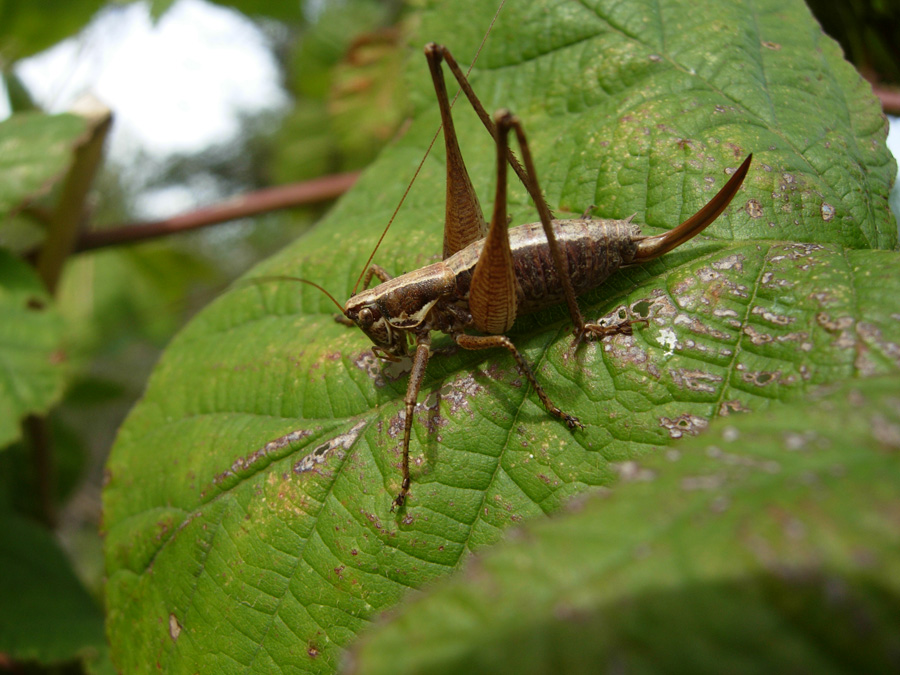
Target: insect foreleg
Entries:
(377, 271)
(420, 360)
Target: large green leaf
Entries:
(247, 509)
(32, 361)
(769, 545)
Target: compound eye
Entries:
(365, 317)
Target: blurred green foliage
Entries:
(869, 32)
(116, 308)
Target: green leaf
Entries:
(35, 149)
(30, 26)
(46, 614)
(768, 545)
(248, 504)
(32, 363)
(284, 11)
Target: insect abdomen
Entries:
(593, 249)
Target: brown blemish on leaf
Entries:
(696, 326)
(380, 371)
(694, 483)
(827, 212)
(701, 348)
(772, 317)
(734, 261)
(247, 463)
(885, 432)
(800, 336)
(841, 326)
(684, 424)
(754, 209)
(761, 378)
(367, 362)
(396, 424)
(625, 349)
(756, 337)
(797, 441)
(695, 380)
(174, 627)
(732, 406)
(338, 445)
(872, 334)
(657, 306)
(630, 471)
(462, 389)
(769, 280)
(795, 251)
(712, 285)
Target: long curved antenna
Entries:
(427, 152)
(281, 277)
(653, 247)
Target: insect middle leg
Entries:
(375, 271)
(475, 342)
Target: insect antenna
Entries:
(281, 277)
(424, 157)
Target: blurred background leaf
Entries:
(867, 30)
(47, 615)
(28, 27)
(32, 359)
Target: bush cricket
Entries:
(490, 274)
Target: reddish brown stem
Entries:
(244, 206)
(890, 99)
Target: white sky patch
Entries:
(893, 143)
(5, 110)
(176, 86)
(893, 139)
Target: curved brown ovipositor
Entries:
(655, 246)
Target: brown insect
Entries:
(490, 275)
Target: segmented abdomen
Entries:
(593, 249)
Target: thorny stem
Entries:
(890, 99)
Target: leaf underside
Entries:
(248, 501)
